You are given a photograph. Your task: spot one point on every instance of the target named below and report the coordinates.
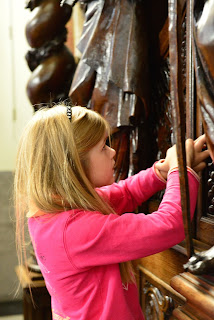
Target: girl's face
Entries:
(100, 167)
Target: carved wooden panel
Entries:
(157, 298)
(205, 212)
(162, 124)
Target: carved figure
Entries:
(112, 76)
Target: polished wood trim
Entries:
(199, 294)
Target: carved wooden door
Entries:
(166, 291)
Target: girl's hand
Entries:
(195, 157)
(200, 155)
(164, 165)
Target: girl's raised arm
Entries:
(127, 194)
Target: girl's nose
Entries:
(113, 152)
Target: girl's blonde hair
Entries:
(51, 167)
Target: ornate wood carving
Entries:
(177, 97)
(158, 305)
(203, 24)
(157, 298)
(51, 62)
(113, 76)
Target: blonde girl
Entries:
(80, 221)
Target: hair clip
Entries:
(69, 112)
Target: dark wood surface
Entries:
(36, 299)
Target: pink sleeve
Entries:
(93, 239)
(127, 194)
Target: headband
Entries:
(69, 112)
(68, 2)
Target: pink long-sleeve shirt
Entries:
(79, 251)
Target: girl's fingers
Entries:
(199, 143)
(189, 152)
(200, 157)
(202, 137)
(204, 154)
(195, 156)
(199, 167)
(162, 165)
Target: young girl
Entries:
(80, 222)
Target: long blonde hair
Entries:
(51, 167)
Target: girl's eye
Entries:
(107, 142)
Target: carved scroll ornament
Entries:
(158, 305)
